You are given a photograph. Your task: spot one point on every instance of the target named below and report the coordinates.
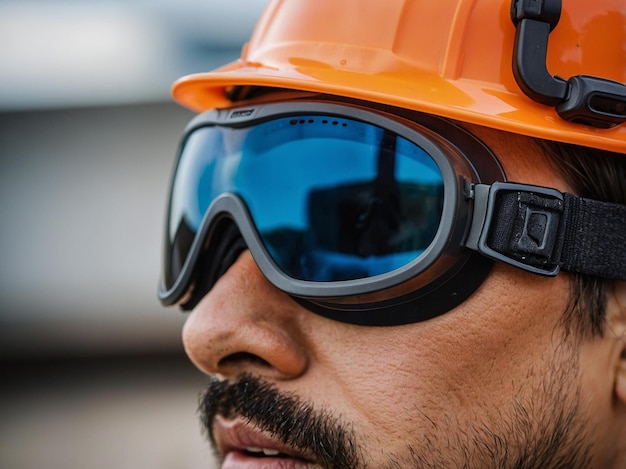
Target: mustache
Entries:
(288, 418)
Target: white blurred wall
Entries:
(59, 53)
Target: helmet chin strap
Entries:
(582, 99)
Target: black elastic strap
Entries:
(595, 238)
(541, 233)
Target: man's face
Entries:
(495, 382)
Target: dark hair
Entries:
(599, 175)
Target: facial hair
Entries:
(544, 429)
(292, 421)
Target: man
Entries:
(401, 236)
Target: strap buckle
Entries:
(519, 225)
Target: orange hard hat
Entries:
(452, 58)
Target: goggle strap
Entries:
(542, 231)
(595, 238)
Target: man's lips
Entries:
(245, 447)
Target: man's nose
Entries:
(245, 324)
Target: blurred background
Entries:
(93, 370)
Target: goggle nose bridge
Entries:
(226, 244)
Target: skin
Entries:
(496, 382)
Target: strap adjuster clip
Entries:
(540, 231)
(521, 227)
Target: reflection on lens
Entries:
(332, 198)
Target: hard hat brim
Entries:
(464, 100)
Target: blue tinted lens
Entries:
(331, 198)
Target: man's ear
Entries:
(616, 312)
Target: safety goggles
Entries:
(362, 215)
